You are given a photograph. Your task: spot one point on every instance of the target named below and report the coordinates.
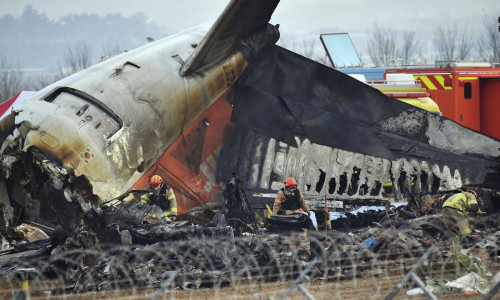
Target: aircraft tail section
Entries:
(240, 20)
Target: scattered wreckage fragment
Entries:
(188, 256)
(204, 257)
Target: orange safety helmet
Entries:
(472, 192)
(290, 183)
(155, 181)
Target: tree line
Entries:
(13, 79)
(385, 46)
(450, 42)
(32, 43)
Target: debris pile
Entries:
(114, 248)
(190, 256)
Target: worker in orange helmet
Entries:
(456, 209)
(162, 196)
(290, 200)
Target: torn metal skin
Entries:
(340, 138)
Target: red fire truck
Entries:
(466, 92)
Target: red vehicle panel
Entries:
(469, 96)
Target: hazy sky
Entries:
(299, 16)
(302, 18)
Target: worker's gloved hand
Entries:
(173, 218)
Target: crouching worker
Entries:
(162, 196)
(290, 200)
(456, 210)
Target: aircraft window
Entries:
(86, 111)
(467, 90)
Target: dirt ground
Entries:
(374, 287)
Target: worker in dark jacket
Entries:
(456, 210)
(290, 200)
(162, 196)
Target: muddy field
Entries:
(375, 287)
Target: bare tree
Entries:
(408, 50)
(305, 47)
(423, 59)
(111, 49)
(11, 79)
(465, 44)
(360, 55)
(453, 43)
(488, 46)
(381, 45)
(287, 42)
(76, 58)
(444, 42)
(40, 81)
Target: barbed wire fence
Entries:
(212, 263)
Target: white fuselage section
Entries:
(112, 121)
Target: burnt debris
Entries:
(113, 248)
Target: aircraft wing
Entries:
(239, 20)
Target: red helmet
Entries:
(290, 183)
(155, 181)
(473, 193)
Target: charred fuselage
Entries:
(106, 126)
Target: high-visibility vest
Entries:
(163, 199)
(460, 201)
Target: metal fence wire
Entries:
(189, 261)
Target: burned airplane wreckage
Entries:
(198, 106)
(234, 103)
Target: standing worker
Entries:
(456, 208)
(162, 196)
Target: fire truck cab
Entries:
(466, 92)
